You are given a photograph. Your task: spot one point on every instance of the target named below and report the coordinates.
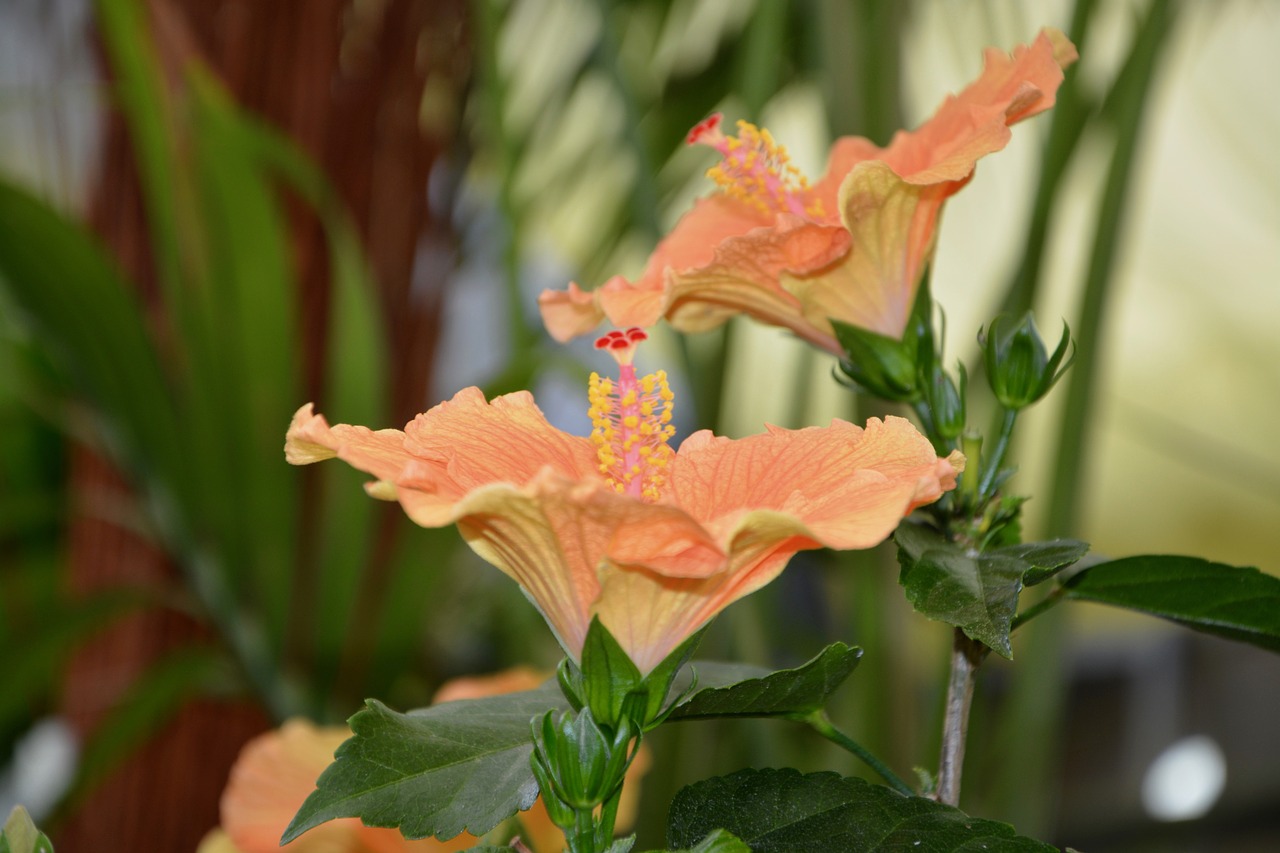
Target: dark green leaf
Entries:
(1238, 603)
(438, 771)
(780, 811)
(719, 841)
(20, 835)
(1046, 559)
(976, 592)
(729, 690)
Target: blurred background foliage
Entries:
(211, 213)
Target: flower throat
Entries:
(631, 420)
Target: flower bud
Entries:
(879, 365)
(578, 763)
(946, 401)
(1018, 368)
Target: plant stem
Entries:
(996, 459)
(1036, 609)
(966, 657)
(820, 723)
(583, 839)
(608, 816)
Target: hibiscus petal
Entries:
(471, 442)
(846, 487)
(892, 225)
(553, 537)
(569, 313)
(976, 122)
(443, 454)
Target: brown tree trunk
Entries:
(345, 80)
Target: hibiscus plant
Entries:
(629, 545)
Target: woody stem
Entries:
(966, 656)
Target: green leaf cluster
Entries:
(976, 591)
(465, 765)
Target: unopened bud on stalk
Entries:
(1018, 367)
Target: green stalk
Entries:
(1046, 603)
(820, 723)
(1126, 106)
(608, 817)
(995, 460)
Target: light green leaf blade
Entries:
(20, 835)
(435, 772)
(781, 811)
(735, 690)
(1237, 603)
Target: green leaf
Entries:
(1046, 559)
(735, 690)
(439, 771)
(21, 836)
(976, 592)
(778, 811)
(718, 841)
(1237, 603)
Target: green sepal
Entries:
(20, 835)
(891, 368)
(608, 674)
(880, 365)
(610, 684)
(976, 591)
(561, 814)
(945, 400)
(663, 676)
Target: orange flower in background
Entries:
(273, 775)
(278, 770)
(653, 541)
(852, 248)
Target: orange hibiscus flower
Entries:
(276, 771)
(852, 248)
(654, 542)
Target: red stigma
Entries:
(620, 343)
(708, 125)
